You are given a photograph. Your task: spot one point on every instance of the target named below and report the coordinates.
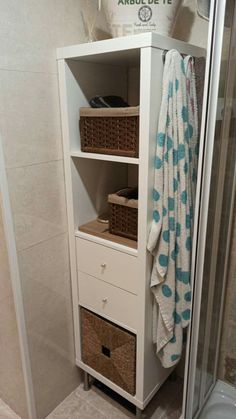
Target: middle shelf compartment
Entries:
(92, 182)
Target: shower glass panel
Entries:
(218, 221)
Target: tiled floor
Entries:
(95, 404)
(6, 412)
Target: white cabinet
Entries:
(111, 275)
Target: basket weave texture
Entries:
(109, 350)
(123, 221)
(110, 131)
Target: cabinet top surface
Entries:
(126, 43)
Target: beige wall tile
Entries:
(30, 119)
(38, 202)
(12, 387)
(30, 32)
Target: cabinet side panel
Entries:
(153, 375)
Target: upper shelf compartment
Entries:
(85, 79)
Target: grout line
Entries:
(33, 164)
(29, 71)
(42, 241)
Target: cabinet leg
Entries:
(86, 382)
(138, 413)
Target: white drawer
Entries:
(113, 266)
(107, 300)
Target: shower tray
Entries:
(221, 404)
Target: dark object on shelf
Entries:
(103, 218)
(110, 131)
(123, 219)
(109, 350)
(108, 102)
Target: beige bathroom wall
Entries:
(30, 32)
(12, 386)
(190, 27)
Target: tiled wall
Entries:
(12, 388)
(30, 32)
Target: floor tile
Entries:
(6, 412)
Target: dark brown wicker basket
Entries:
(109, 350)
(110, 131)
(123, 219)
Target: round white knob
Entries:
(103, 265)
(104, 300)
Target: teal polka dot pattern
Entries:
(185, 114)
(166, 236)
(184, 197)
(171, 223)
(171, 90)
(173, 201)
(175, 184)
(185, 277)
(188, 222)
(175, 357)
(173, 255)
(181, 152)
(186, 314)
(178, 230)
(173, 340)
(186, 136)
(186, 168)
(156, 216)
(163, 260)
(188, 296)
(175, 157)
(190, 155)
(158, 163)
(190, 131)
(161, 139)
(169, 143)
(189, 244)
(178, 274)
(177, 297)
(166, 291)
(171, 204)
(176, 85)
(177, 318)
(156, 196)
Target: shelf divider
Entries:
(106, 157)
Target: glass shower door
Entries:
(214, 209)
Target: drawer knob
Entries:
(103, 265)
(104, 300)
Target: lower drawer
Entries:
(107, 300)
(109, 350)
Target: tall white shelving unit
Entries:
(110, 276)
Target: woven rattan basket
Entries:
(110, 131)
(109, 350)
(123, 219)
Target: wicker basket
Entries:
(110, 131)
(123, 219)
(109, 350)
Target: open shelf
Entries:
(104, 157)
(97, 229)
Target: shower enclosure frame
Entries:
(212, 80)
